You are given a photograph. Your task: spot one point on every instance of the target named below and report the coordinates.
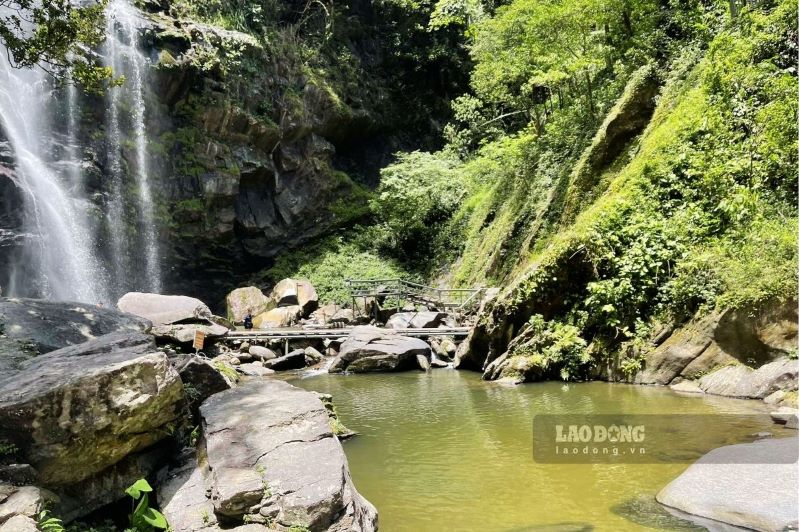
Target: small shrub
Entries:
(144, 518)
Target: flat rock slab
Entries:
(183, 501)
(687, 387)
(280, 434)
(164, 310)
(741, 381)
(253, 369)
(50, 325)
(751, 485)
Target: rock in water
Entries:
(293, 360)
(751, 485)
(786, 416)
(370, 349)
(114, 395)
(48, 325)
(284, 463)
(243, 300)
(164, 310)
(424, 363)
(261, 353)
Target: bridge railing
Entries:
(401, 291)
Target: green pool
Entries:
(445, 451)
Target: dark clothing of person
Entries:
(248, 321)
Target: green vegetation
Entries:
(328, 263)
(144, 518)
(47, 523)
(58, 37)
(693, 209)
(227, 370)
(7, 448)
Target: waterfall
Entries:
(125, 57)
(59, 260)
(81, 240)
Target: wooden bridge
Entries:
(398, 292)
(321, 334)
(287, 335)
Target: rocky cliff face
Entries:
(246, 146)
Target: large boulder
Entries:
(278, 317)
(307, 297)
(737, 380)
(19, 523)
(183, 500)
(324, 314)
(164, 310)
(115, 395)
(416, 320)
(369, 349)
(751, 485)
(29, 327)
(261, 353)
(723, 338)
(242, 301)
(25, 501)
(185, 332)
(291, 292)
(201, 379)
(283, 466)
(284, 293)
(293, 360)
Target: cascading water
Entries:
(125, 57)
(81, 240)
(58, 260)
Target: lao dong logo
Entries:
(599, 439)
(599, 434)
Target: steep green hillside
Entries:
(613, 164)
(698, 213)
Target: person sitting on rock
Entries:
(248, 319)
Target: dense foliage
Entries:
(56, 35)
(703, 215)
(694, 212)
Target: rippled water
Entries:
(445, 451)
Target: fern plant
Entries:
(47, 523)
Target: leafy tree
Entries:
(56, 35)
(416, 196)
